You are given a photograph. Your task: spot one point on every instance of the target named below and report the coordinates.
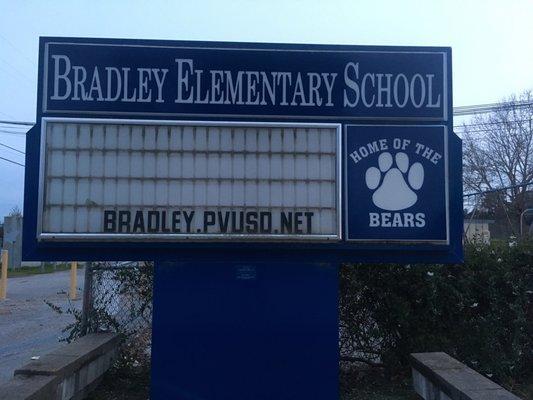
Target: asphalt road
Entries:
(28, 326)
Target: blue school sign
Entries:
(248, 172)
(313, 171)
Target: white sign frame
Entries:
(181, 237)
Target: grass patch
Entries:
(361, 384)
(123, 384)
(47, 268)
(524, 389)
(392, 393)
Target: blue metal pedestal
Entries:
(240, 331)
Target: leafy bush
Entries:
(480, 312)
(120, 300)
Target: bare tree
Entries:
(15, 212)
(498, 150)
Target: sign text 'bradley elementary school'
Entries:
(192, 85)
(338, 150)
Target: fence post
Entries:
(3, 275)
(87, 298)
(72, 294)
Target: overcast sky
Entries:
(492, 42)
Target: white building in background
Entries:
(12, 241)
(477, 230)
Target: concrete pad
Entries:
(437, 360)
(29, 388)
(72, 356)
(466, 379)
(67, 373)
(437, 376)
(498, 394)
(49, 364)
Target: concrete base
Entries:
(69, 372)
(437, 376)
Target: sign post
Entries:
(245, 331)
(248, 173)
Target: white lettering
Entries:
(329, 86)
(110, 71)
(363, 92)
(382, 88)
(125, 72)
(252, 79)
(159, 82)
(374, 219)
(314, 86)
(183, 81)
(199, 100)
(399, 103)
(422, 90)
(95, 85)
(268, 88)
(396, 220)
(420, 220)
(284, 77)
(145, 94)
(216, 92)
(80, 74)
(61, 76)
(430, 93)
(351, 84)
(233, 89)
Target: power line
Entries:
(12, 148)
(497, 105)
(17, 123)
(460, 110)
(11, 161)
(18, 128)
(7, 115)
(13, 131)
(509, 104)
(25, 80)
(490, 107)
(492, 123)
(17, 70)
(17, 50)
(499, 189)
(18, 133)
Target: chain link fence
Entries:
(118, 298)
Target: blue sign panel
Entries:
(223, 330)
(396, 183)
(152, 149)
(243, 80)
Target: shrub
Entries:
(480, 312)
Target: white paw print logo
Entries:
(393, 191)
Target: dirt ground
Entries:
(134, 385)
(28, 326)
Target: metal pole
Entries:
(72, 294)
(87, 308)
(3, 282)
